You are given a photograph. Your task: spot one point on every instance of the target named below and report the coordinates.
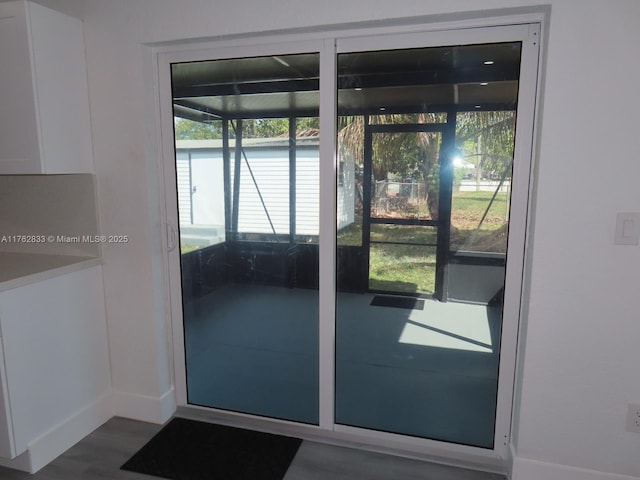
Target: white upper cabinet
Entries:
(44, 101)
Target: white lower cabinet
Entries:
(55, 364)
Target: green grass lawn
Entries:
(411, 268)
(468, 207)
(402, 268)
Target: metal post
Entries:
(292, 178)
(226, 167)
(366, 194)
(236, 180)
(444, 205)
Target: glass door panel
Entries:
(247, 142)
(421, 258)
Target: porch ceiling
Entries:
(414, 80)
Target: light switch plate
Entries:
(633, 418)
(628, 228)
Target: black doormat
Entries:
(191, 450)
(397, 302)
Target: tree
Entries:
(190, 130)
(251, 128)
(485, 138)
(405, 155)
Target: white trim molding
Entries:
(143, 407)
(529, 469)
(63, 436)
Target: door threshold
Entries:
(431, 451)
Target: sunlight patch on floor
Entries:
(449, 325)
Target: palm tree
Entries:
(484, 138)
(406, 155)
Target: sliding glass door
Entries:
(363, 283)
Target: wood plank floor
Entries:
(99, 456)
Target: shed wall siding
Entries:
(270, 168)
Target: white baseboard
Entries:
(63, 436)
(527, 469)
(21, 462)
(143, 407)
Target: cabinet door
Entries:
(44, 101)
(19, 147)
(55, 351)
(61, 84)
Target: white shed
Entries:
(263, 190)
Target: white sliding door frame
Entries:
(529, 35)
(166, 112)
(327, 241)
(329, 43)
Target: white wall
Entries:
(580, 363)
(581, 359)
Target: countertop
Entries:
(18, 269)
